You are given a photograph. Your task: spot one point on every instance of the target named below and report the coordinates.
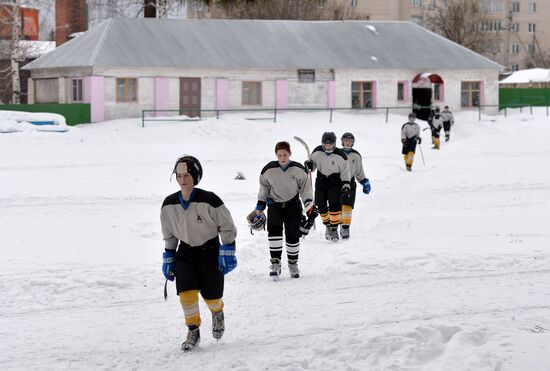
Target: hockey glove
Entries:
(418, 140)
(169, 264)
(346, 191)
(309, 165)
(305, 225)
(366, 186)
(404, 142)
(227, 260)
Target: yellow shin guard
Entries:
(190, 304)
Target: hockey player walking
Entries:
(355, 164)
(437, 124)
(193, 220)
(410, 136)
(448, 121)
(332, 182)
(282, 184)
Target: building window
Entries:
(531, 48)
(400, 91)
(514, 27)
(515, 7)
(532, 27)
(306, 75)
(515, 67)
(493, 6)
(514, 48)
(126, 90)
(361, 94)
(416, 3)
(532, 7)
(321, 3)
(252, 93)
(437, 90)
(353, 3)
(492, 26)
(470, 94)
(77, 90)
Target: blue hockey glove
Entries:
(227, 260)
(366, 186)
(169, 265)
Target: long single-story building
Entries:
(124, 66)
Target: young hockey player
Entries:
(448, 121)
(355, 164)
(410, 136)
(193, 220)
(437, 124)
(282, 184)
(332, 182)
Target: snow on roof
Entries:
(527, 76)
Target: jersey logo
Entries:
(199, 219)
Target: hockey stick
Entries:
(422, 154)
(303, 142)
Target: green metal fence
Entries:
(524, 97)
(74, 113)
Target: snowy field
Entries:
(447, 268)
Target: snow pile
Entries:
(447, 267)
(528, 76)
(15, 121)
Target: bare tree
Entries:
(461, 22)
(278, 9)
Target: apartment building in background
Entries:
(520, 29)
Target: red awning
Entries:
(434, 78)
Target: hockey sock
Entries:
(346, 214)
(190, 303)
(215, 305)
(276, 246)
(292, 250)
(325, 218)
(334, 217)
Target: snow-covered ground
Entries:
(447, 268)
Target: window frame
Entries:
(470, 90)
(306, 71)
(253, 87)
(126, 81)
(77, 89)
(361, 91)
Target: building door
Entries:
(422, 101)
(190, 96)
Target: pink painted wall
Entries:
(222, 94)
(87, 90)
(281, 94)
(162, 95)
(97, 98)
(331, 99)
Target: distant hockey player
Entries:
(448, 121)
(355, 164)
(193, 220)
(410, 136)
(282, 184)
(437, 124)
(332, 182)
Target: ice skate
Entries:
(218, 325)
(193, 339)
(294, 271)
(275, 269)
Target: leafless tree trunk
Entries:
(460, 21)
(15, 53)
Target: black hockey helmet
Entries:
(348, 135)
(189, 164)
(436, 109)
(328, 137)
